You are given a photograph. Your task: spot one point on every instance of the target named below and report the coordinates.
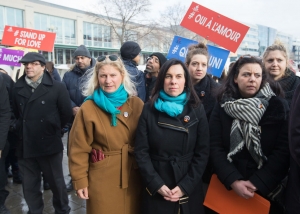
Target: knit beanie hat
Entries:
(162, 59)
(82, 51)
(130, 50)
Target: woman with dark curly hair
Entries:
(248, 132)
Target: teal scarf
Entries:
(173, 106)
(109, 102)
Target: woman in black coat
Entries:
(197, 63)
(248, 132)
(172, 144)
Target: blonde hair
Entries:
(277, 45)
(90, 79)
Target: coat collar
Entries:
(39, 91)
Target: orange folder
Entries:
(224, 201)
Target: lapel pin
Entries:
(186, 118)
(202, 93)
(125, 114)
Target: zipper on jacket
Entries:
(178, 128)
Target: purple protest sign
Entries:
(10, 57)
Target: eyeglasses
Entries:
(111, 58)
(31, 63)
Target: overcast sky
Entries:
(284, 15)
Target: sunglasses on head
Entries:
(111, 58)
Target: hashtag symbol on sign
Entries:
(175, 49)
(16, 33)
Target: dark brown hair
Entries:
(159, 85)
(230, 88)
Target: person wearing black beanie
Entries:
(130, 53)
(154, 63)
(73, 79)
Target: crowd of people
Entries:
(149, 141)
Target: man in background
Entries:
(73, 79)
(42, 107)
(130, 53)
(154, 63)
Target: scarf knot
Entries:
(110, 102)
(173, 106)
(244, 129)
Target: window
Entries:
(10, 16)
(96, 35)
(64, 28)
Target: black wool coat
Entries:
(4, 113)
(206, 90)
(172, 152)
(41, 114)
(274, 144)
(293, 185)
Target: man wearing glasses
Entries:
(42, 107)
(74, 80)
(154, 63)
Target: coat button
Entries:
(42, 120)
(42, 138)
(43, 102)
(21, 104)
(24, 121)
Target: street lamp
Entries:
(246, 47)
(53, 29)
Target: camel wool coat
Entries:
(114, 183)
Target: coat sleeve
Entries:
(201, 154)
(151, 178)
(80, 140)
(226, 171)
(276, 167)
(66, 81)
(4, 113)
(294, 129)
(56, 75)
(64, 105)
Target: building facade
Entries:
(72, 27)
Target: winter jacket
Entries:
(114, 183)
(137, 77)
(41, 115)
(72, 80)
(274, 144)
(172, 151)
(4, 113)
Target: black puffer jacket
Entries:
(72, 80)
(137, 77)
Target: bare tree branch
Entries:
(121, 17)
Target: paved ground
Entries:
(15, 202)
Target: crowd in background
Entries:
(149, 141)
